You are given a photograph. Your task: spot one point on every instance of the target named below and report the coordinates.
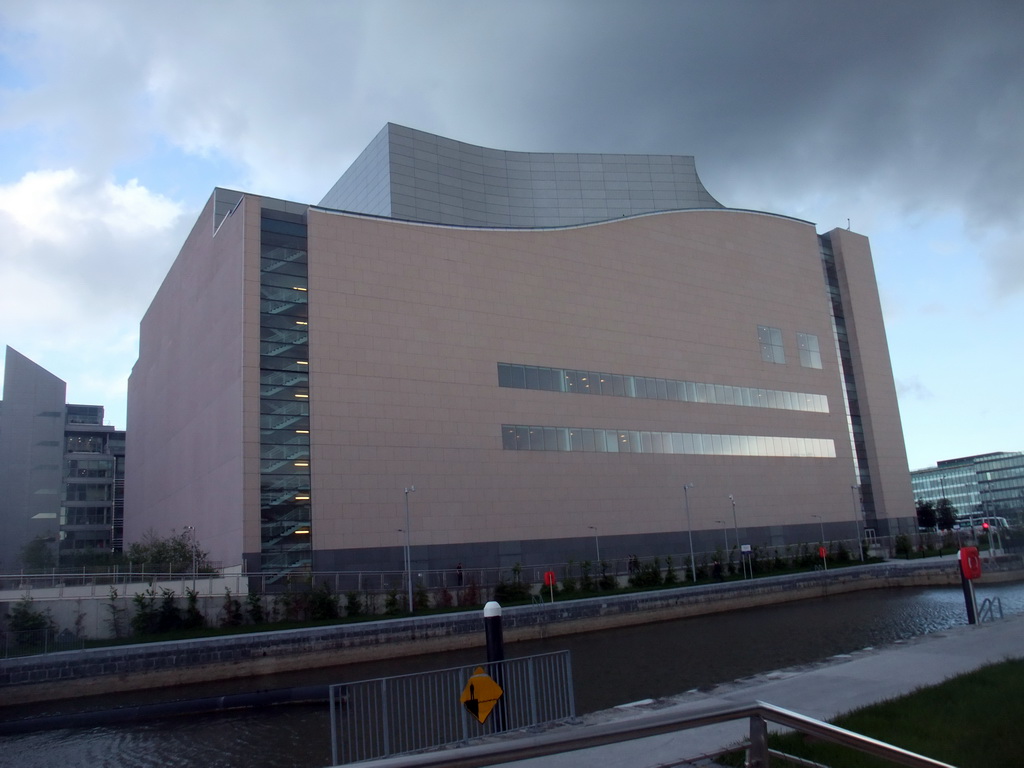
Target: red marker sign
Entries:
(549, 581)
(970, 562)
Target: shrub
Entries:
(511, 592)
(702, 567)
(470, 595)
(144, 622)
(115, 615)
(292, 606)
(323, 604)
(193, 618)
(169, 615)
(842, 553)
(903, 546)
(805, 558)
(420, 597)
(779, 563)
(29, 626)
(607, 581)
(647, 575)
(670, 577)
(177, 553)
(23, 618)
(569, 582)
(231, 610)
(353, 605)
(254, 608)
(444, 598)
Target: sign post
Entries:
(970, 569)
(549, 582)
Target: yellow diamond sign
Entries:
(480, 695)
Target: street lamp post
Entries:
(856, 520)
(736, 528)
(192, 535)
(689, 529)
(597, 544)
(821, 526)
(408, 551)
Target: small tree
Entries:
(29, 624)
(323, 604)
(231, 609)
(37, 555)
(254, 607)
(470, 596)
(115, 615)
(353, 605)
(607, 581)
(193, 618)
(586, 581)
(902, 545)
(926, 517)
(144, 622)
(421, 597)
(169, 615)
(178, 552)
(670, 572)
(946, 514)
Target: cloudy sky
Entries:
(903, 119)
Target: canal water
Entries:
(610, 667)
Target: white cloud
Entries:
(914, 388)
(81, 258)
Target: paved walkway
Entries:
(822, 691)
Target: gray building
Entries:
(416, 176)
(987, 485)
(548, 347)
(61, 470)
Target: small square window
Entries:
(810, 354)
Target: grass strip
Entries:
(972, 720)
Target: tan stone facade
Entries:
(407, 325)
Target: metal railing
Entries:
(452, 578)
(31, 642)
(759, 755)
(373, 719)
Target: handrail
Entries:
(836, 735)
(759, 713)
(988, 608)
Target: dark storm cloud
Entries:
(923, 100)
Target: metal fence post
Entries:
(384, 714)
(532, 677)
(757, 754)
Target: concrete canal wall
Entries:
(121, 668)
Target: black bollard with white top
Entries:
(495, 655)
(492, 632)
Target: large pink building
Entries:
(554, 350)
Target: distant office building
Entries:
(61, 469)
(988, 485)
(548, 347)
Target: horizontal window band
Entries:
(518, 437)
(578, 382)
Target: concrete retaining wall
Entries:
(103, 670)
